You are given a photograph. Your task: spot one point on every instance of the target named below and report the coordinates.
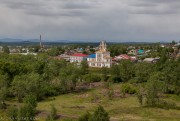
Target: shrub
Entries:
(110, 93)
(30, 100)
(53, 112)
(166, 105)
(92, 78)
(115, 79)
(12, 113)
(85, 117)
(27, 113)
(99, 115)
(127, 88)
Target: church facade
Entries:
(101, 58)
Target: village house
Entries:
(78, 57)
(136, 52)
(124, 57)
(151, 60)
(101, 58)
(65, 57)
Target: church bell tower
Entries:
(102, 46)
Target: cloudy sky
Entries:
(120, 20)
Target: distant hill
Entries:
(18, 40)
(11, 41)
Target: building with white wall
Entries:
(101, 58)
(78, 57)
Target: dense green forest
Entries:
(30, 79)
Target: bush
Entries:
(115, 79)
(30, 100)
(27, 113)
(92, 78)
(166, 105)
(110, 93)
(99, 115)
(53, 114)
(85, 117)
(12, 113)
(3, 105)
(127, 88)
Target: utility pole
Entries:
(40, 43)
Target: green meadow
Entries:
(71, 106)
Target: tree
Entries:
(3, 90)
(30, 100)
(115, 73)
(143, 71)
(153, 88)
(99, 115)
(141, 95)
(26, 84)
(91, 50)
(104, 74)
(53, 51)
(26, 113)
(84, 67)
(173, 42)
(18, 88)
(6, 49)
(28, 110)
(126, 70)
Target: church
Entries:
(101, 58)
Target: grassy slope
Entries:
(74, 105)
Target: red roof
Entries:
(79, 55)
(125, 56)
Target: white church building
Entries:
(101, 58)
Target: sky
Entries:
(91, 20)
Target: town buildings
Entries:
(78, 58)
(101, 58)
(124, 57)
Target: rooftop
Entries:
(79, 55)
(92, 56)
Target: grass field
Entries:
(120, 109)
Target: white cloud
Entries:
(139, 20)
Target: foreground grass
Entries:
(73, 105)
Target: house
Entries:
(91, 58)
(140, 52)
(124, 57)
(65, 57)
(178, 55)
(78, 57)
(151, 60)
(132, 52)
(178, 44)
(101, 58)
(130, 48)
(136, 52)
(162, 45)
